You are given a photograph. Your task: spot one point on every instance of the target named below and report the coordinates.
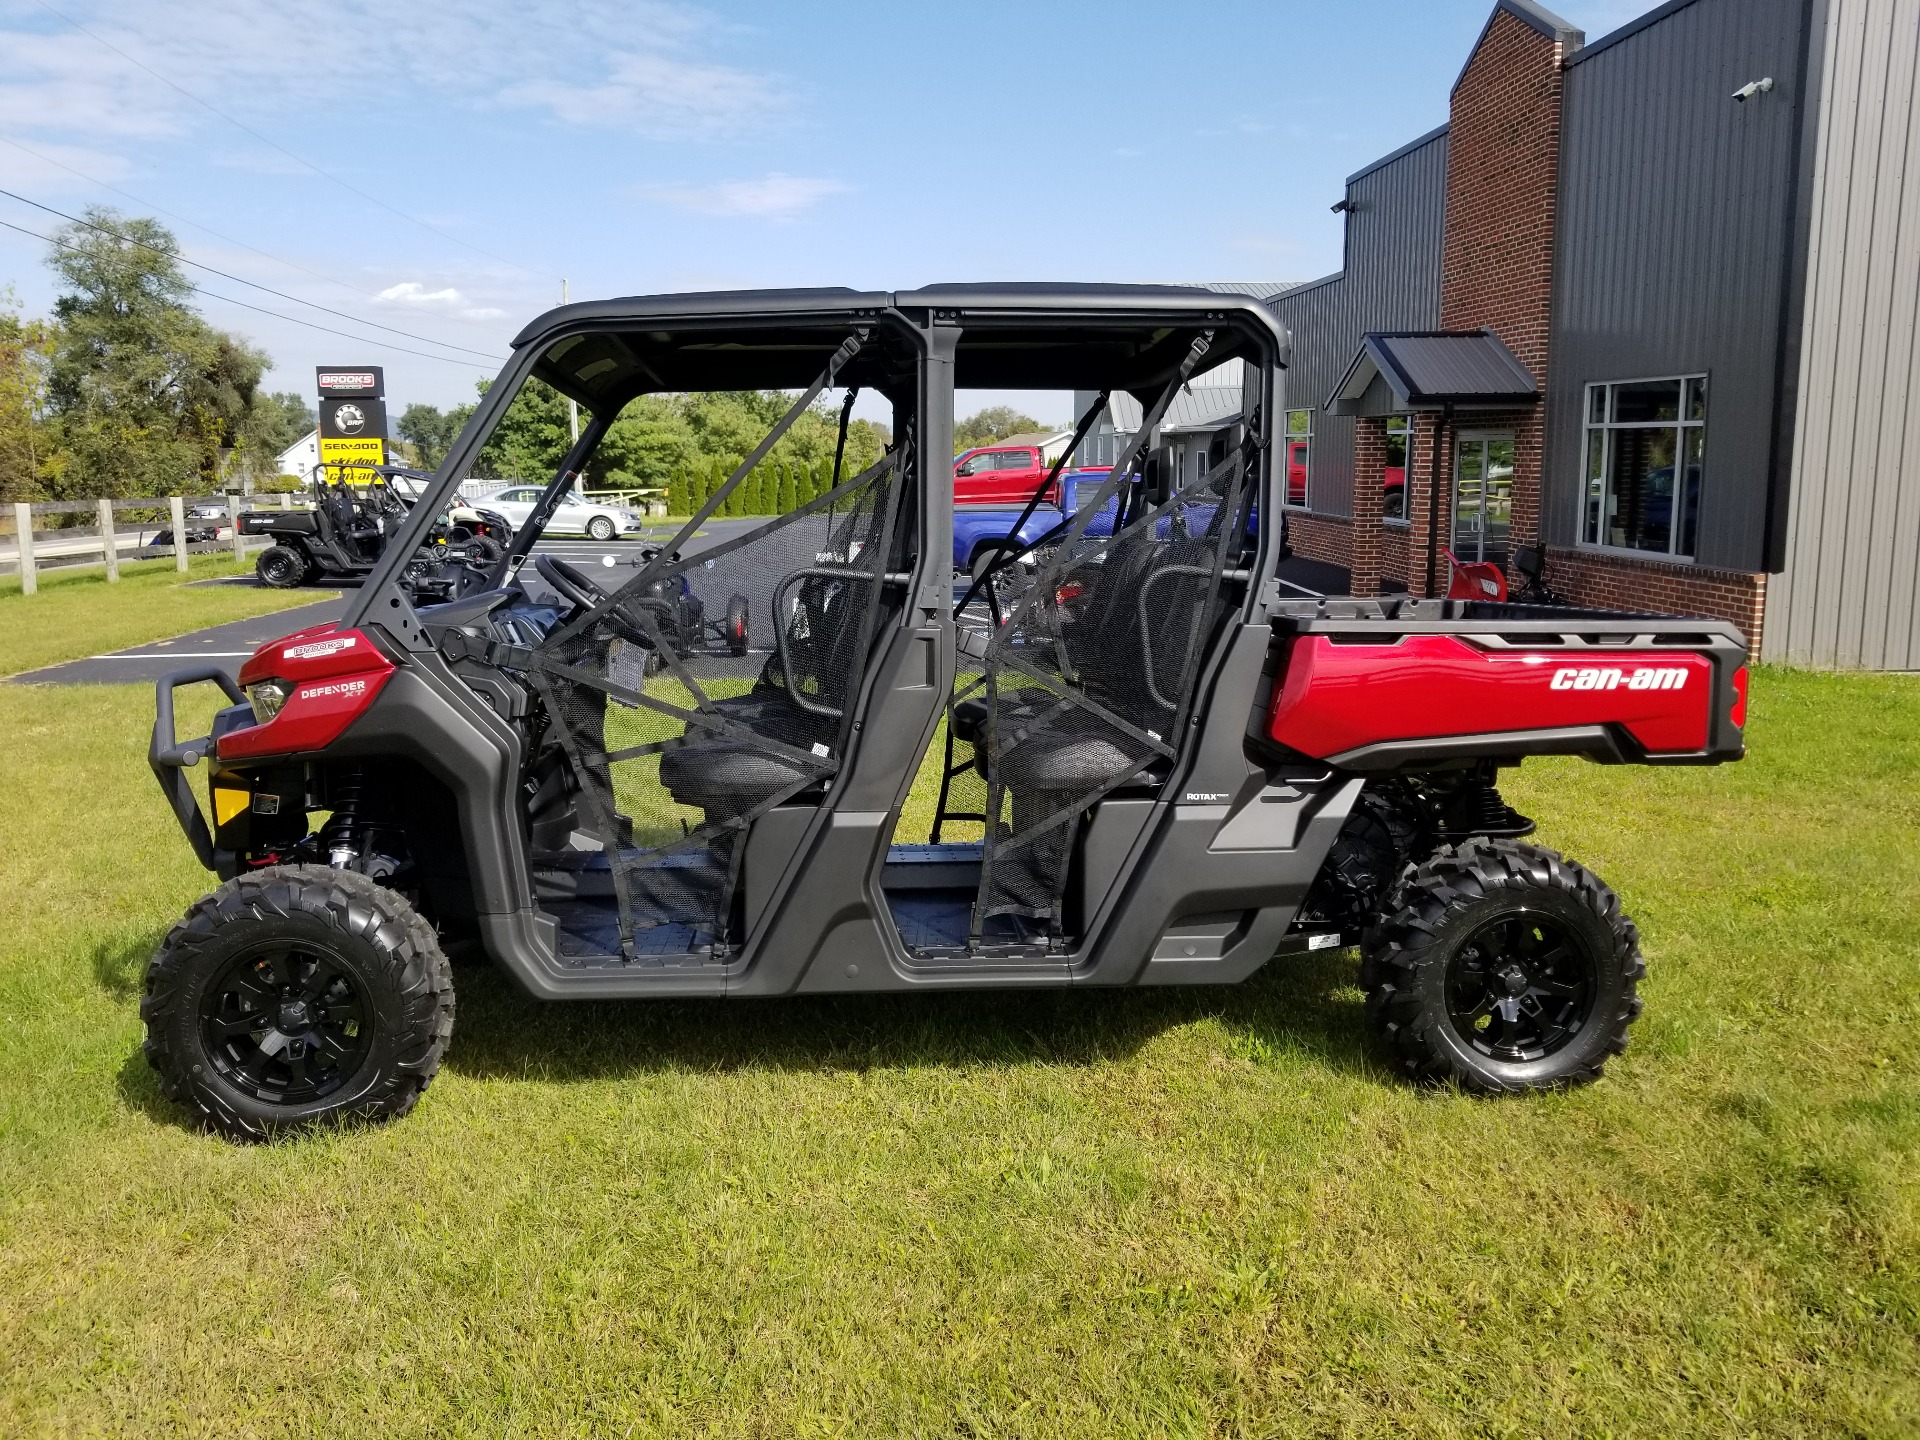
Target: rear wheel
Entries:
(600, 528)
(1503, 967)
(294, 996)
(281, 567)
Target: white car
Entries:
(573, 516)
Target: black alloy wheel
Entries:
(1501, 966)
(280, 567)
(1521, 987)
(297, 995)
(286, 1024)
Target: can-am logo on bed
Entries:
(1608, 677)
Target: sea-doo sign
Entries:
(365, 381)
(353, 421)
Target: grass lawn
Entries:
(76, 612)
(1149, 1213)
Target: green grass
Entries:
(1147, 1213)
(76, 612)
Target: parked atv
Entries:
(1161, 771)
(345, 533)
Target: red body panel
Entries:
(1000, 476)
(336, 674)
(1338, 698)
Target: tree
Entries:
(532, 438)
(148, 397)
(990, 426)
(431, 431)
(276, 423)
(28, 455)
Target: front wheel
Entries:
(600, 528)
(295, 996)
(1502, 967)
(280, 567)
(736, 625)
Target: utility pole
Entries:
(573, 406)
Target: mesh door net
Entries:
(1086, 684)
(708, 690)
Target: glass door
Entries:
(1482, 496)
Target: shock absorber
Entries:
(342, 836)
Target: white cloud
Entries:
(771, 197)
(642, 66)
(446, 301)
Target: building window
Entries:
(1393, 475)
(1645, 439)
(1299, 454)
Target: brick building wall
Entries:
(1496, 265)
(1622, 582)
(1369, 461)
(1326, 538)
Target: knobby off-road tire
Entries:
(281, 567)
(1502, 967)
(294, 996)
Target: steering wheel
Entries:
(575, 586)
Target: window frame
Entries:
(1403, 520)
(1305, 502)
(1681, 425)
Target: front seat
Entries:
(799, 701)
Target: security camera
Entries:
(1752, 88)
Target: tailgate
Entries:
(1382, 685)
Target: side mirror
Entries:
(1529, 561)
(1159, 476)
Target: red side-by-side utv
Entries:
(1152, 767)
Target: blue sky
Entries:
(640, 146)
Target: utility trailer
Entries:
(1152, 769)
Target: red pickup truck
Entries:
(1001, 474)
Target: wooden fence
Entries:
(35, 549)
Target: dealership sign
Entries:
(353, 421)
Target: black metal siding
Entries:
(1391, 282)
(1673, 246)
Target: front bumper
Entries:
(170, 759)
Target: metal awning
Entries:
(1431, 370)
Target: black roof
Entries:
(1426, 369)
(1014, 336)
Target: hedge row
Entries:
(771, 489)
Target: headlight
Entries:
(266, 697)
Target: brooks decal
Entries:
(1607, 677)
(318, 649)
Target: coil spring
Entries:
(343, 826)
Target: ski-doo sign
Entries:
(363, 380)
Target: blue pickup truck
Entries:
(979, 528)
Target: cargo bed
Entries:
(1373, 685)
